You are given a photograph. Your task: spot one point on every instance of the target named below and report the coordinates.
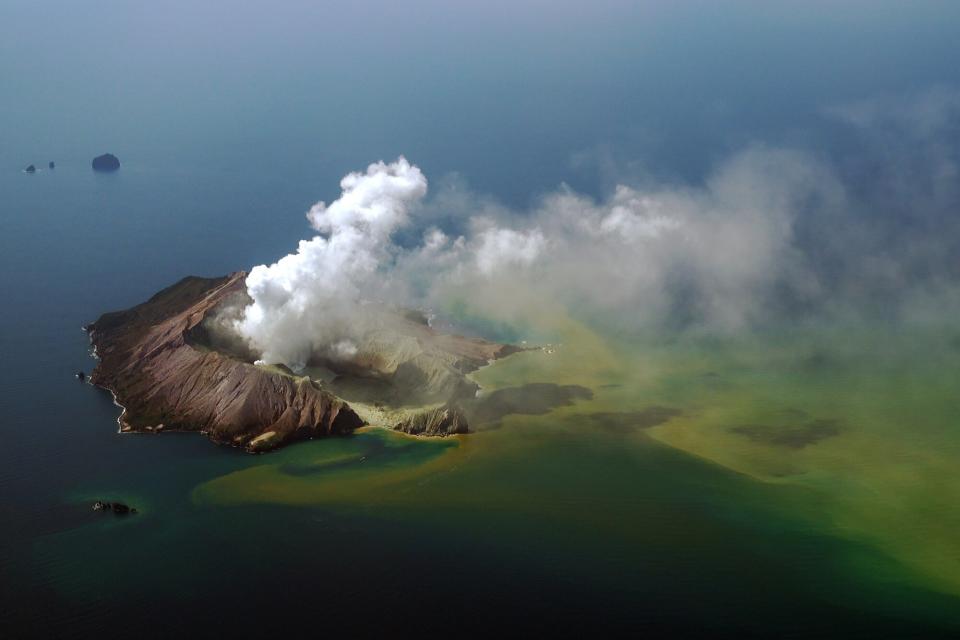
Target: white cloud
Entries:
(305, 300)
(499, 248)
(766, 226)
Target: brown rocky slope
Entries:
(166, 382)
(170, 374)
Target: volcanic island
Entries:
(169, 369)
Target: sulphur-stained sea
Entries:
(799, 481)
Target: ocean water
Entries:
(663, 505)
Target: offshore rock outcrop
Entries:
(166, 380)
(106, 162)
(439, 421)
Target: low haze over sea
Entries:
(730, 228)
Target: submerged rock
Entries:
(629, 421)
(52, 164)
(791, 436)
(535, 398)
(106, 162)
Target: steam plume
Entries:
(771, 234)
(304, 301)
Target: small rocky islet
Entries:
(119, 508)
(105, 163)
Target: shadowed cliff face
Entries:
(167, 381)
(439, 421)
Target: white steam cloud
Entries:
(304, 302)
(770, 234)
(627, 254)
(710, 256)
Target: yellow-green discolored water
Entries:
(848, 435)
(795, 483)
